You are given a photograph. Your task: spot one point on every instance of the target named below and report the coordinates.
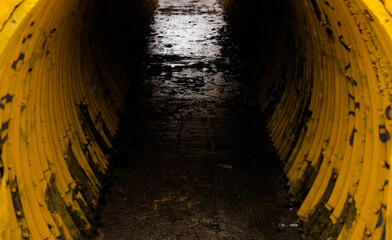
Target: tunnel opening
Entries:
(319, 70)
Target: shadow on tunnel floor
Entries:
(193, 157)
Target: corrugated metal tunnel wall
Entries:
(62, 90)
(326, 88)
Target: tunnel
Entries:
(318, 68)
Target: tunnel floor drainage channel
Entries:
(194, 161)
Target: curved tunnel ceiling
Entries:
(325, 85)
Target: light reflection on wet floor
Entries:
(188, 41)
(187, 33)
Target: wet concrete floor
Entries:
(193, 158)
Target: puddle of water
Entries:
(186, 47)
(187, 31)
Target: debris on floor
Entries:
(227, 166)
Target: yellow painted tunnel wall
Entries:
(331, 124)
(61, 92)
(60, 100)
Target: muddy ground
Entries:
(193, 157)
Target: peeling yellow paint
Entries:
(350, 77)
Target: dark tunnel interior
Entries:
(195, 119)
(196, 156)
